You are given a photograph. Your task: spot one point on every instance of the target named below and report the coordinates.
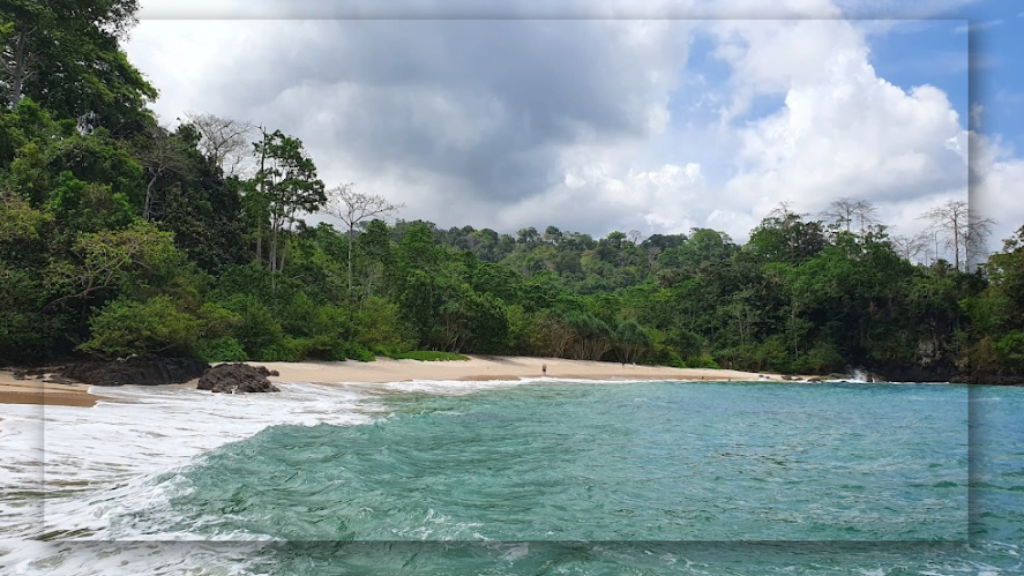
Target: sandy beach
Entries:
(483, 368)
(33, 391)
(478, 368)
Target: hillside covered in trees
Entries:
(120, 237)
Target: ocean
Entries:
(525, 477)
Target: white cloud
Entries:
(584, 133)
(843, 131)
(999, 187)
(976, 110)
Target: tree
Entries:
(909, 247)
(160, 153)
(224, 140)
(353, 208)
(845, 211)
(632, 339)
(65, 55)
(965, 232)
(110, 259)
(287, 184)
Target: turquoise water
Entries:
(641, 462)
(653, 478)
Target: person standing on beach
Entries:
(544, 369)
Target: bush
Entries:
(670, 358)
(703, 361)
(823, 358)
(125, 327)
(358, 353)
(426, 356)
(260, 332)
(223, 349)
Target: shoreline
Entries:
(31, 390)
(40, 392)
(491, 368)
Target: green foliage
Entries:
(703, 361)
(426, 356)
(223, 349)
(120, 237)
(157, 325)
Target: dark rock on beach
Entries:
(146, 371)
(237, 379)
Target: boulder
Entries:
(237, 379)
(146, 371)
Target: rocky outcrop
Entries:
(146, 371)
(238, 379)
(990, 378)
(892, 372)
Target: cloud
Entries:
(482, 109)
(842, 131)
(998, 185)
(590, 125)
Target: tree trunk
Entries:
(956, 246)
(147, 206)
(19, 73)
(350, 226)
(273, 248)
(284, 254)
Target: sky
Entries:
(610, 115)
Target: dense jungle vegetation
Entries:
(120, 237)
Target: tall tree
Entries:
(224, 140)
(160, 153)
(287, 183)
(65, 54)
(965, 232)
(844, 212)
(353, 208)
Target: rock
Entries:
(990, 378)
(814, 379)
(57, 380)
(148, 371)
(238, 378)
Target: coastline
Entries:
(478, 368)
(487, 368)
(40, 392)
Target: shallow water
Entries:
(502, 478)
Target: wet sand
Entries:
(32, 391)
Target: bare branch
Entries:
(845, 211)
(353, 208)
(226, 141)
(910, 247)
(964, 232)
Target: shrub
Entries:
(426, 356)
(125, 327)
(223, 349)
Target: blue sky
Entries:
(936, 51)
(658, 123)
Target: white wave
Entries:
(96, 466)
